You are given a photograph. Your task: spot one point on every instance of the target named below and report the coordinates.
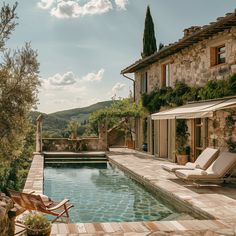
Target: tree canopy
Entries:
(149, 39)
(19, 81)
(120, 109)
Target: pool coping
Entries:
(35, 179)
(166, 196)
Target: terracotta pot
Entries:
(182, 159)
(38, 232)
(130, 144)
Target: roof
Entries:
(196, 110)
(222, 23)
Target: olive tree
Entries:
(19, 80)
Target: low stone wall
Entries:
(59, 144)
(7, 216)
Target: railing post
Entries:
(39, 144)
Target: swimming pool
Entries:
(102, 193)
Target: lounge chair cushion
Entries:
(203, 161)
(218, 169)
(195, 174)
(223, 163)
(174, 167)
(206, 158)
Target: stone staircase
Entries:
(74, 158)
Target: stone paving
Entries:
(215, 202)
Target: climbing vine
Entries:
(181, 93)
(229, 127)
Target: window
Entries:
(220, 51)
(166, 75)
(144, 83)
(218, 55)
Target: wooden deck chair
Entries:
(203, 161)
(220, 171)
(36, 202)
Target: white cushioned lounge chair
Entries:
(220, 170)
(203, 161)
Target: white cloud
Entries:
(71, 8)
(94, 77)
(69, 81)
(97, 7)
(121, 4)
(45, 4)
(117, 88)
(62, 80)
(74, 9)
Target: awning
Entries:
(195, 110)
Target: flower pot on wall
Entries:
(182, 159)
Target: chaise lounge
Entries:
(203, 161)
(220, 170)
(41, 203)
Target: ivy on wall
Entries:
(181, 93)
(229, 128)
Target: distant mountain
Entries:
(55, 124)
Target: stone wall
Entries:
(193, 64)
(219, 131)
(7, 216)
(60, 144)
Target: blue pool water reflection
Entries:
(102, 193)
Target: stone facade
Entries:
(7, 216)
(193, 64)
(216, 132)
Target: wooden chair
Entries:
(41, 203)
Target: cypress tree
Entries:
(149, 39)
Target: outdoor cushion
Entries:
(223, 163)
(174, 167)
(218, 169)
(203, 161)
(195, 174)
(206, 158)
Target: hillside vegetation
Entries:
(55, 124)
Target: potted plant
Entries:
(37, 224)
(181, 142)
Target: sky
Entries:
(83, 45)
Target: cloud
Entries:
(121, 4)
(94, 77)
(117, 88)
(62, 80)
(72, 9)
(97, 7)
(69, 81)
(45, 4)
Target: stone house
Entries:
(204, 53)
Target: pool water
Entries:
(102, 194)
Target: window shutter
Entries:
(213, 56)
(163, 76)
(146, 82)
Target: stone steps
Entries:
(74, 158)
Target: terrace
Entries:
(216, 204)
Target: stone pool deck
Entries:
(215, 202)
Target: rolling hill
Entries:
(55, 124)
